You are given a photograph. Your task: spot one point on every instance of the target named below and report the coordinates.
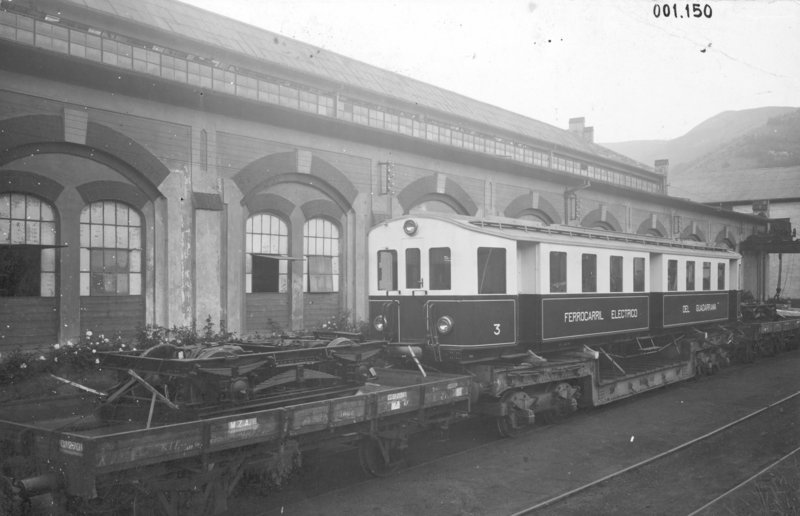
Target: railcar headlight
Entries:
(410, 227)
(379, 323)
(444, 324)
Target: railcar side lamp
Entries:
(410, 227)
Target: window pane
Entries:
(689, 275)
(638, 274)
(439, 258)
(558, 271)
(265, 274)
(85, 284)
(135, 285)
(721, 276)
(706, 275)
(413, 269)
(615, 274)
(672, 275)
(387, 270)
(20, 271)
(491, 270)
(589, 272)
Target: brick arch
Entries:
(693, 232)
(112, 191)
(652, 224)
(30, 183)
(425, 189)
(44, 134)
(725, 237)
(270, 203)
(322, 208)
(283, 167)
(524, 205)
(601, 217)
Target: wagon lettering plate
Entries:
(241, 425)
(397, 400)
(71, 447)
(585, 316)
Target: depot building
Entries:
(162, 165)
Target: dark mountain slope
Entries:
(703, 139)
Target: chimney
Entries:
(588, 134)
(576, 125)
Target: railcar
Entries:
(471, 289)
(548, 317)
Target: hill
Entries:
(705, 138)
(773, 145)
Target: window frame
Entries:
(616, 273)
(672, 275)
(314, 257)
(588, 272)
(277, 249)
(440, 268)
(690, 273)
(559, 267)
(488, 263)
(380, 269)
(101, 258)
(33, 223)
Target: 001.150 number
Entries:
(688, 11)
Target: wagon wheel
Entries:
(380, 457)
(516, 419)
(564, 402)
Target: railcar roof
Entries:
(518, 230)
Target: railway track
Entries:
(732, 455)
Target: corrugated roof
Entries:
(715, 186)
(210, 28)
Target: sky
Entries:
(632, 75)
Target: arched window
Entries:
(266, 248)
(111, 250)
(321, 250)
(27, 246)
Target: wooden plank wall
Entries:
(112, 315)
(319, 308)
(267, 311)
(28, 322)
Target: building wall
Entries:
(196, 176)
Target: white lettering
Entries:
(708, 307)
(594, 315)
(625, 313)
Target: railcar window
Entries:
(491, 270)
(558, 271)
(706, 275)
(689, 275)
(413, 269)
(439, 258)
(721, 276)
(615, 274)
(672, 275)
(589, 272)
(387, 270)
(638, 274)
